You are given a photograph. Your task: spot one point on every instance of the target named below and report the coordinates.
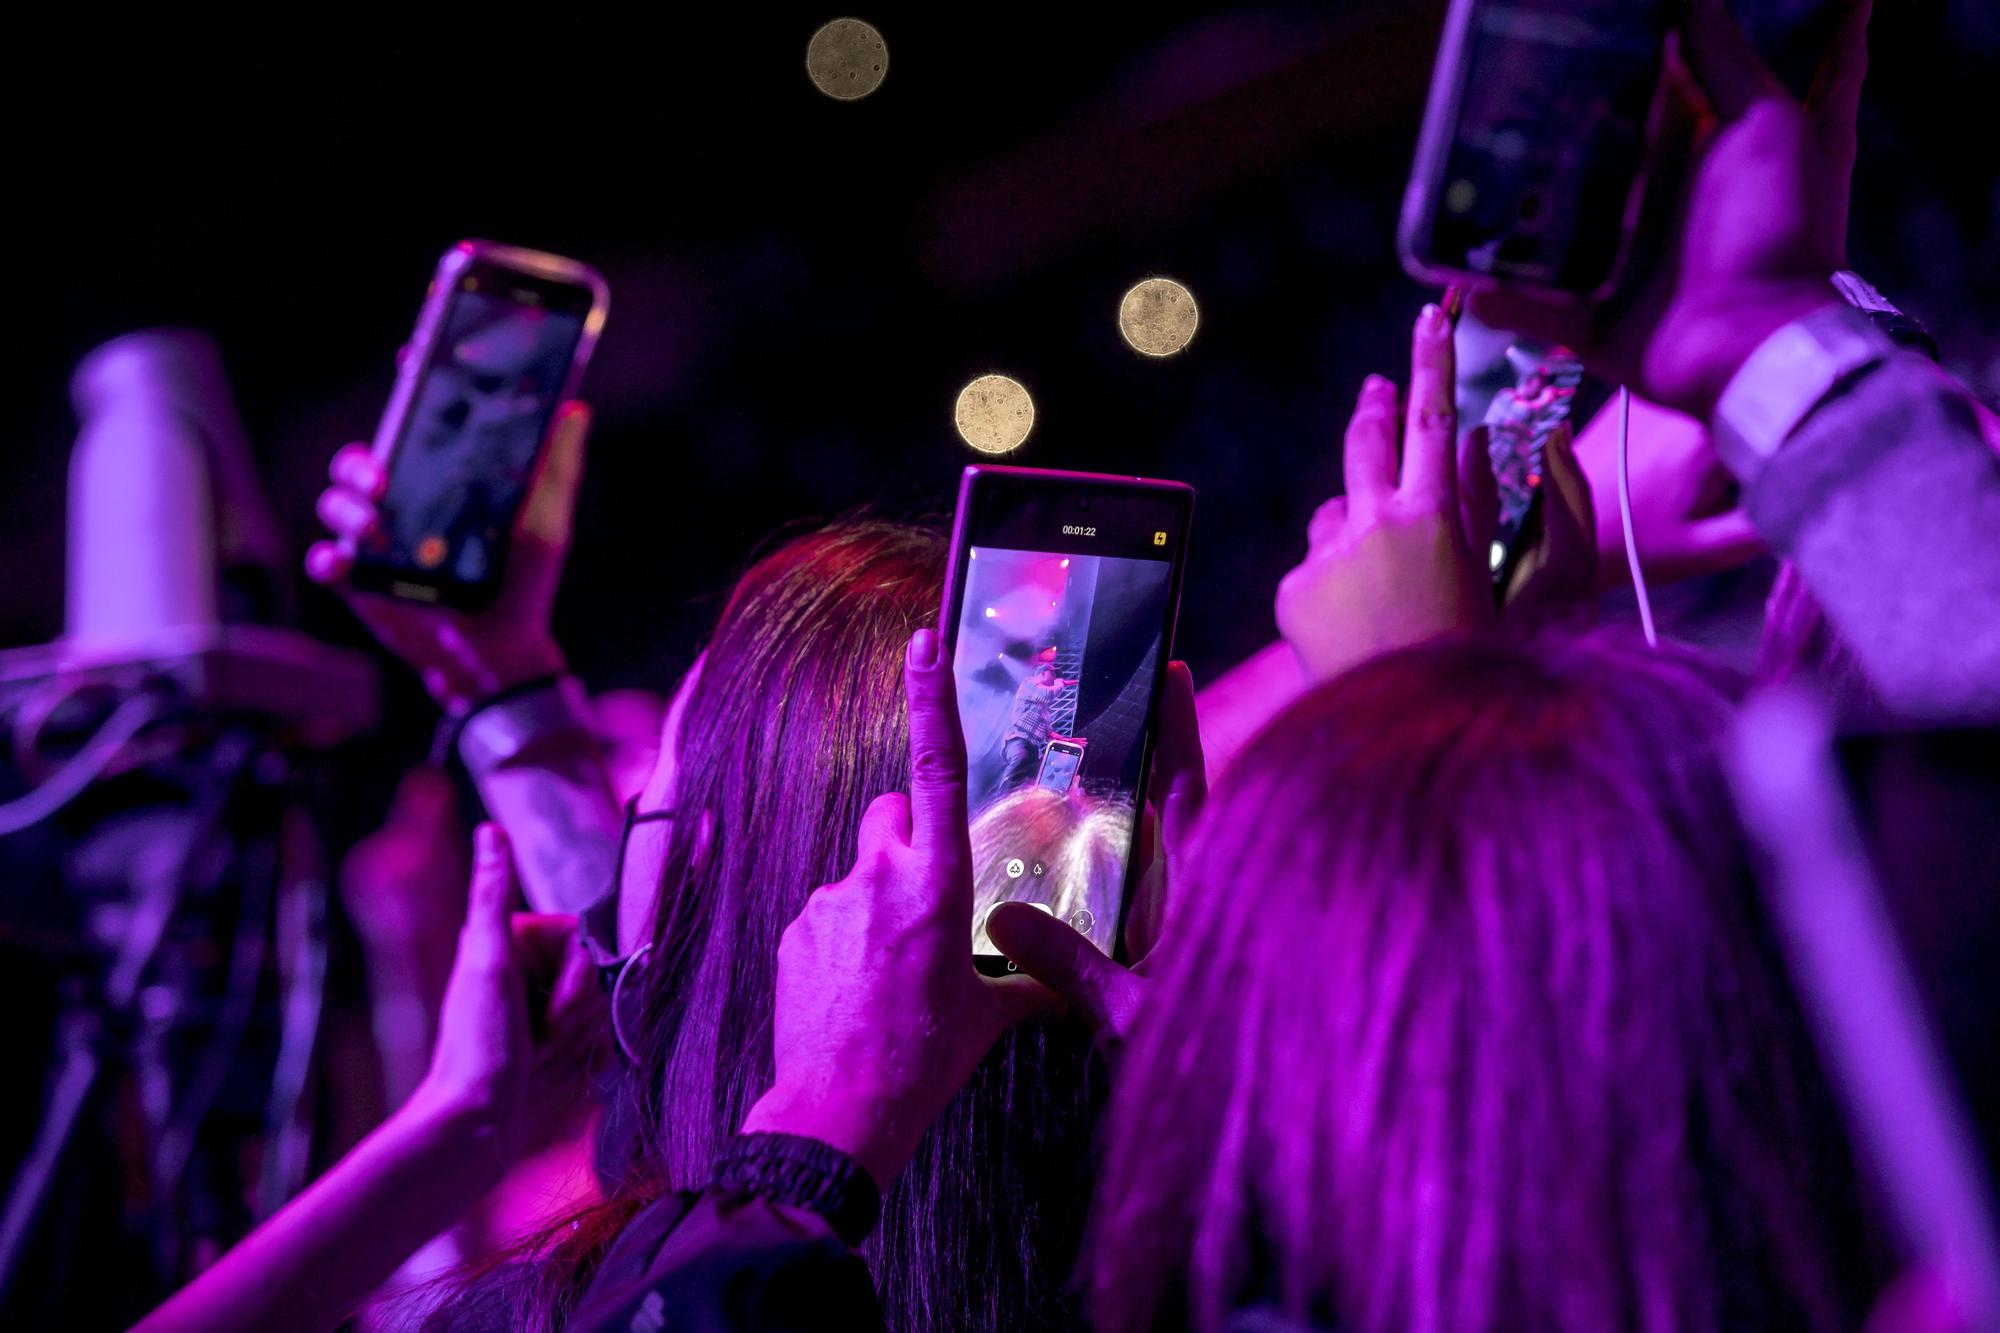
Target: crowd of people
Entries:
(1448, 999)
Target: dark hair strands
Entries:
(1497, 1036)
(795, 725)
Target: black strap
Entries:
(803, 1173)
(444, 744)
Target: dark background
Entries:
(801, 286)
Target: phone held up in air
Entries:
(1060, 603)
(502, 340)
(1531, 165)
(1059, 764)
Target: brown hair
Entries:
(1471, 1019)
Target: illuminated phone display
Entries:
(1065, 594)
(1059, 764)
(497, 349)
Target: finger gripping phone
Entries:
(502, 340)
(1530, 168)
(1060, 603)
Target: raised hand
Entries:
(1762, 222)
(880, 1015)
(503, 1067)
(1685, 512)
(1392, 562)
(464, 657)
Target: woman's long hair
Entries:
(796, 723)
(1471, 1018)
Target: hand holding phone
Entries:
(1762, 223)
(464, 657)
(1059, 609)
(879, 1018)
(468, 603)
(503, 339)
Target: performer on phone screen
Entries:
(1029, 726)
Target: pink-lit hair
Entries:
(796, 723)
(1471, 1019)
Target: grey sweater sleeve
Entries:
(1887, 500)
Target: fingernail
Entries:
(923, 647)
(488, 842)
(1430, 320)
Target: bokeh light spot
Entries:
(847, 59)
(1158, 317)
(994, 414)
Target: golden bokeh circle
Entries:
(847, 59)
(1157, 317)
(994, 414)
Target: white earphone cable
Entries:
(1625, 514)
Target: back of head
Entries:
(796, 723)
(1470, 1018)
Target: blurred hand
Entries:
(508, 1069)
(1391, 563)
(1685, 511)
(880, 1015)
(1762, 221)
(464, 657)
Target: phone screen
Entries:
(1059, 764)
(1063, 631)
(494, 373)
(1548, 140)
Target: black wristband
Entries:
(546, 681)
(803, 1173)
(452, 725)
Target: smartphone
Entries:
(502, 340)
(1059, 611)
(1519, 423)
(1060, 762)
(1531, 164)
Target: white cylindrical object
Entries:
(142, 566)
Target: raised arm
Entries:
(1861, 463)
(1389, 562)
(527, 736)
(315, 1260)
